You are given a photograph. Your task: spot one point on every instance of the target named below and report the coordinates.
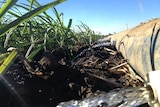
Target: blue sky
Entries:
(107, 16)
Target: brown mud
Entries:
(57, 79)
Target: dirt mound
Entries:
(57, 79)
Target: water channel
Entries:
(121, 97)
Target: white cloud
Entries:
(140, 4)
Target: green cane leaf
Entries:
(8, 61)
(6, 7)
(29, 15)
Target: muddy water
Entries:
(129, 97)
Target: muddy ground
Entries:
(56, 79)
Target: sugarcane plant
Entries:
(7, 58)
(36, 30)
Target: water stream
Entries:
(126, 97)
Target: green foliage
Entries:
(8, 61)
(8, 31)
(36, 30)
(27, 16)
(6, 7)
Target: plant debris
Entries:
(58, 80)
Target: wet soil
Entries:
(57, 79)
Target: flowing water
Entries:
(129, 97)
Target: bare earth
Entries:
(57, 79)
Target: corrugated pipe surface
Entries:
(140, 46)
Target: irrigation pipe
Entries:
(140, 46)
